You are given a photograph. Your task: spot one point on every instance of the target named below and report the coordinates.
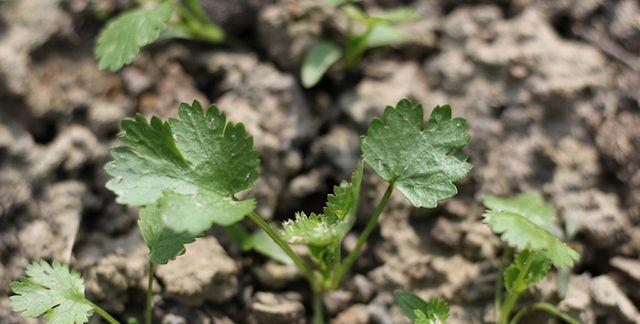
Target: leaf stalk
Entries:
(297, 260)
(512, 296)
(106, 316)
(371, 224)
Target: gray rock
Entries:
(204, 273)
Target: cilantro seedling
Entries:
(184, 174)
(434, 311)
(55, 291)
(123, 37)
(364, 31)
(525, 222)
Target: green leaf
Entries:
(520, 232)
(317, 61)
(53, 290)
(339, 215)
(121, 40)
(529, 205)
(175, 220)
(398, 15)
(259, 241)
(385, 35)
(420, 161)
(199, 154)
(340, 2)
(434, 311)
(533, 272)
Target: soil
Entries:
(550, 90)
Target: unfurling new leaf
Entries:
(336, 221)
(53, 290)
(528, 268)
(421, 162)
(434, 311)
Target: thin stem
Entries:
(318, 308)
(512, 296)
(297, 260)
(103, 313)
(371, 224)
(506, 255)
(516, 318)
(149, 294)
(550, 309)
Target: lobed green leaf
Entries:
(186, 172)
(421, 162)
(121, 40)
(529, 205)
(434, 311)
(53, 290)
(520, 232)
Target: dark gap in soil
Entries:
(595, 261)
(43, 131)
(449, 6)
(563, 24)
(544, 174)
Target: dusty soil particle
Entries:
(204, 273)
(271, 308)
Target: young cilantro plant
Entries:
(123, 37)
(184, 174)
(525, 222)
(363, 32)
(434, 311)
(55, 291)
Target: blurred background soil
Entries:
(550, 89)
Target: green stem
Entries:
(516, 318)
(318, 308)
(149, 294)
(103, 313)
(371, 224)
(550, 309)
(506, 255)
(512, 296)
(297, 260)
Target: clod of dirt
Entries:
(341, 148)
(618, 140)
(287, 29)
(69, 152)
(630, 267)
(31, 24)
(356, 314)
(53, 236)
(204, 273)
(276, 275)
(114, 268)
(607, 294)
(269, 308)
(390, 81)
